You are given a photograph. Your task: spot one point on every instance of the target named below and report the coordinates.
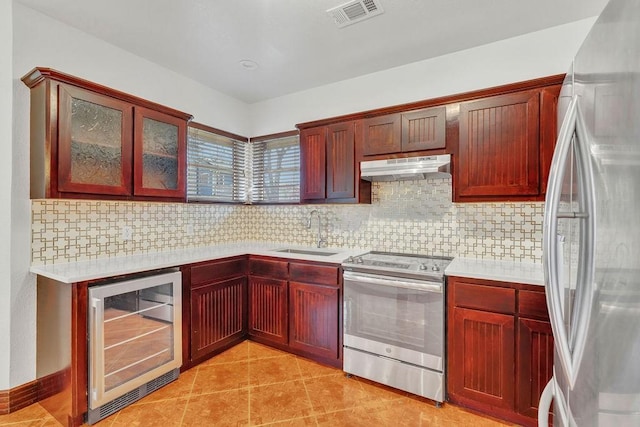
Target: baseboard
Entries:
(27, 394)
(18, 397)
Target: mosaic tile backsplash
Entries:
(408, 216)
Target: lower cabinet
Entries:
(313, 319)
(214, 307)
(268, 309)
(500, 347)
(295, 306)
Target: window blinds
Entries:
(276, 170)
(215, 167)
(222, 169)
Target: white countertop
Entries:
(109, 267)
(505, 271)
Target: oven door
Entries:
(397, 318)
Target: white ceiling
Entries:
(295, 42)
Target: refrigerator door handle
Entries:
(544, 406)
(570, 348)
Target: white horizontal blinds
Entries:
(215, 167)
(276, 170)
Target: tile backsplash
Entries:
(408, 216)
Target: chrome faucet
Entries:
(321, 241)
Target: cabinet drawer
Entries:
(533, 304)
(268, 268)
(487, 298)
(309, 273)
(221, 269)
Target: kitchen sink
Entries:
(306, 252)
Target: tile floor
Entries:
(251, 385)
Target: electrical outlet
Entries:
(127, 232)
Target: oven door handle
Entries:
(393, 282)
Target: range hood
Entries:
(406, 168)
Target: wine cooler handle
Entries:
(97, 349)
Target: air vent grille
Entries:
(355, 11)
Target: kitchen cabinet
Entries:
(89, 141)
(328, 169)
(407, 132)
(314, 309)
(500, 347)
(216, 316)
(295, 306)
(504, 146)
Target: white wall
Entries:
(6, 37)
(45, 42)
(530, 56)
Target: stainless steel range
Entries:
(394, 321)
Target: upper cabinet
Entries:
(89, 141)
(503, 146)
(328, 169)
(408, 132)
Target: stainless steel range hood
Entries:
(406, 168)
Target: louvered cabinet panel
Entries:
(535, 364)
(341, 172)
(381, 135)
(218, 315)
(313, 318)
(499, 147)
(313, 163)
(268, 314)
(423, 129)
(482, 362)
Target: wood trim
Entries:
(275, 136)
(449, 99)
(39, 74)
(19, 397)
(217, 131)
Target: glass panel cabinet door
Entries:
(94, 146)
(159, 154)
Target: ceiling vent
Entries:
(355, 11)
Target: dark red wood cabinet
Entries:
(91, 141)
(295, 306)
(268, 300)
(406, 132)
(500, 347)
(214, 307)
(329, 172)
(503, 146)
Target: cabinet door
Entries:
(159, 154)
(481, 357)
(313, 163)
(382, 135)
(548, 131)
(499, 150)
(341, 172)
(423, 129)
(535, 363)
(268, 312)
(218, 315)
(313, 319)
(94, 143)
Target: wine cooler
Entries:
(134, 340)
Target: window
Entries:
(276, 170)
(215, 166)
(224, 168)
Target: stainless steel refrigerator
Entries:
(591, 239)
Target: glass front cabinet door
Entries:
(91, 141)
(94, 144)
